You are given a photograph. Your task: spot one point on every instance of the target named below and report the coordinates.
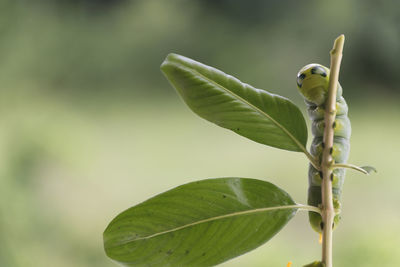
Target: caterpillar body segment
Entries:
(313, 83)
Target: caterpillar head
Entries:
(312, 82)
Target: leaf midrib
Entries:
(211, 219)
(297, 142)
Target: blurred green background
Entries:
(89, 126)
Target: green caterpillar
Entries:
(312, 82)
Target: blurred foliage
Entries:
(90, 127)
(91, 47)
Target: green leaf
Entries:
(315, 264)
(369, 169)
(202, 223)
(224, 100)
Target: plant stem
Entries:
(328, 212)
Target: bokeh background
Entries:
(90, 127)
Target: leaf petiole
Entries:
(309, 208)
(312, 160)
(364, 169)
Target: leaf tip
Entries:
(171, 63)
(369, 169)
(165, 63)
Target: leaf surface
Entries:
(224, 100)
(202, 223)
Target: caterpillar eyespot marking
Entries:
(314, 89)
(318, 70)
(300, 79)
